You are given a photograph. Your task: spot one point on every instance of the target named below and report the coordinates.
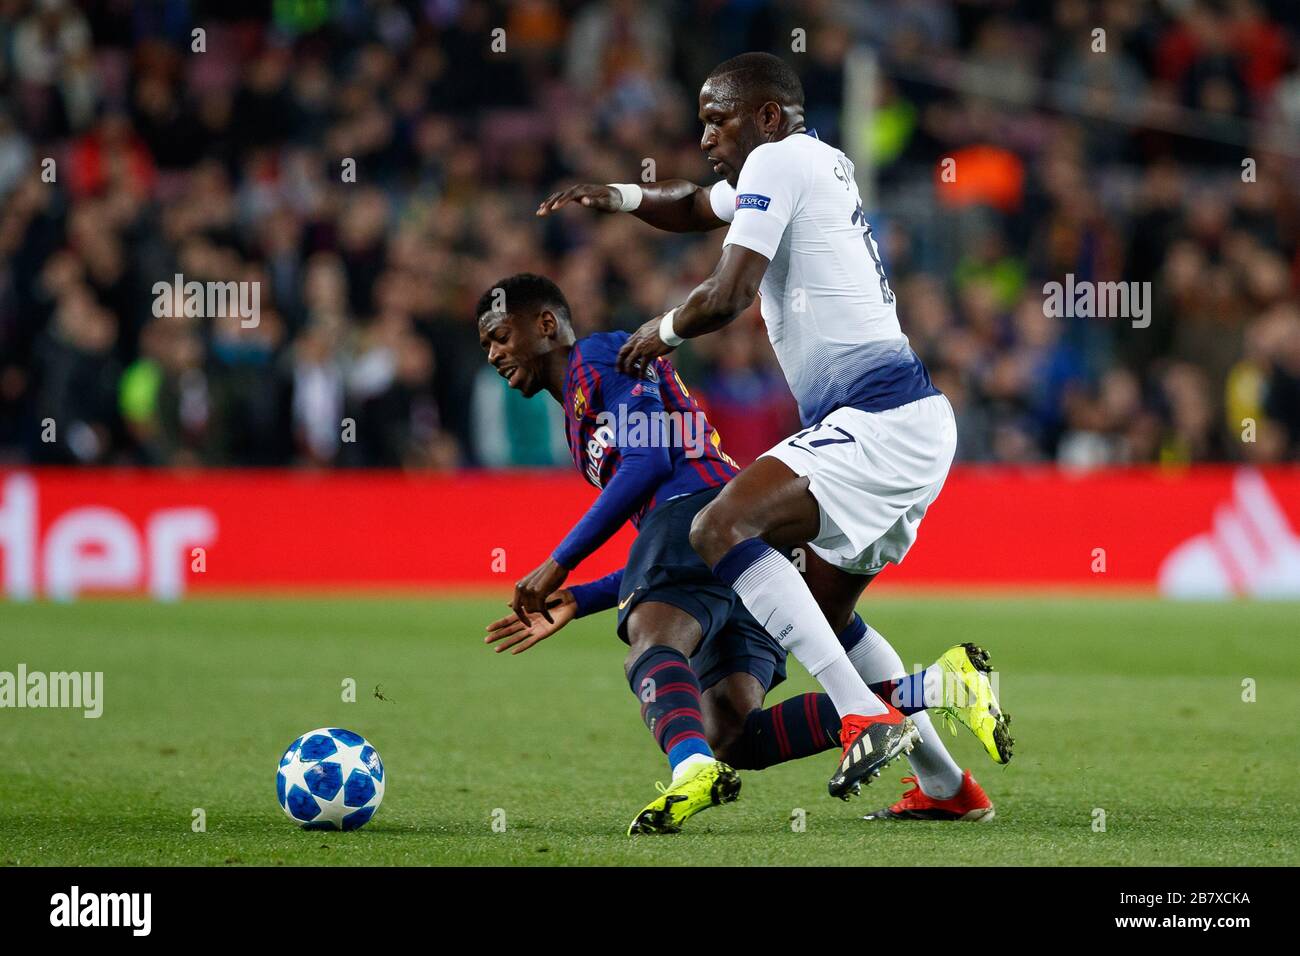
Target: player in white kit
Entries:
(878, 437)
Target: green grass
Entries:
(1130, 705)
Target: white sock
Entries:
(937, 773)
(688, 762)
(775, 593)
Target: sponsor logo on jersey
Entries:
(601, 441)
(753, 201)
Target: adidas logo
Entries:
(1250, 549)
(859, 751)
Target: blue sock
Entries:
(907, 694)
(855, 632)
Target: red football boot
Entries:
(970, 804)
(870, 743)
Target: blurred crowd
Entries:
(374, 166)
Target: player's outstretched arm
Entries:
(510, 633)
(674, 205)
(712, 304)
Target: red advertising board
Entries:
(1204, 532)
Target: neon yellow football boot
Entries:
(702, 786)
(968, 698)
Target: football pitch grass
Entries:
(1128, 707)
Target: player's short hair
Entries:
(757, 78)
(524, 293)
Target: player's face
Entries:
(730, 132)
(515, 345)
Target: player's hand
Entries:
(510, 633)
(532, 592)
(642, 348)
(600, 198)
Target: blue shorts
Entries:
(662, 566)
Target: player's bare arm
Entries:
(674, 205)
(712, 304)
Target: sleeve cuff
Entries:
(755, 244)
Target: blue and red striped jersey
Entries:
(648, 433)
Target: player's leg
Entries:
(661, 638)
(749, 736)
(957, 685)
(726, 705)
(737, 669)
(768, 505)
(740, 664)
(876, 662)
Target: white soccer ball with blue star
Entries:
(330, 779)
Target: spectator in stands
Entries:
(372, 166)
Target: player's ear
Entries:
(547, 324)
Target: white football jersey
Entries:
(826, 300)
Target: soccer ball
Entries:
(330, 779)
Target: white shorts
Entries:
(873, 475)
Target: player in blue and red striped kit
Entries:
(697, 660)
